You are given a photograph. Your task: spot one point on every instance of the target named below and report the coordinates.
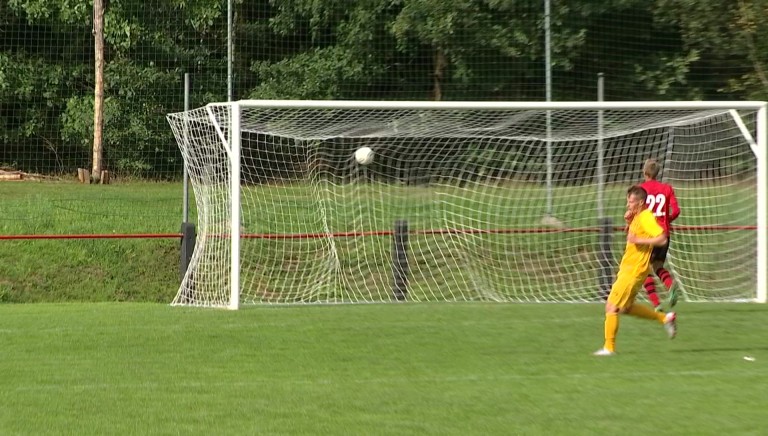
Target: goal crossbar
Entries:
(495, 105)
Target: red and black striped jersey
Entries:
(662, 202)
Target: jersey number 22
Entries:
(656, 204)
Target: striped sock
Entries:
(650, 289)
(665, 277)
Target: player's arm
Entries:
(674, 208)
(657, 241)
(650, 227)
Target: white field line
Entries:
(386, 380)
(250, 326)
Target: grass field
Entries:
(139, 367)
(89, 269)
(442, 369)
(521, 267)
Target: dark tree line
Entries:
(346, 49)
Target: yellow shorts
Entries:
(624, 291)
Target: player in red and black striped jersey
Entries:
(662, 202)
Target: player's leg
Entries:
(650, 282)
(650, 290)
(666, 277)
(642, 311)
(657, 263)
(610, 329)
(618, 299)
(668, 320)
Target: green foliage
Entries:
(731, 34)
(317, 74)
(664, 74)
(140, 129)
(65, 12)
(46, 91)
(349, 49)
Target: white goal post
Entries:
(453, 203)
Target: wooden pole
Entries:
(98, 102)
(605, 260)
(400, 268)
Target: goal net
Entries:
(464, 201)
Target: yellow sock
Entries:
(611, 328)
(643, 311)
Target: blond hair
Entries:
(651, 169)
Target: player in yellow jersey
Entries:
(643, 234)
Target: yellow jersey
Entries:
(637, 258)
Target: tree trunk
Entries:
(98, 102)
(438, 74)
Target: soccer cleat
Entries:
(673, 294)
(670, 324)
(603, 352)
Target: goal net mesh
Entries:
(499, 205)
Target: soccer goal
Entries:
(464, 201)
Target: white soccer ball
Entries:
(364, 155)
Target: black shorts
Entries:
(659, 254)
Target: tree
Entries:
(37, 74)
(414, 49)
(723, 44)
(345, 49)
